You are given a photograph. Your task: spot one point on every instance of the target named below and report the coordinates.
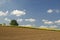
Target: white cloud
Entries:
(53, 26)
(47, 22)
(43, 27)
(58, 21)
(18, 12)
(6, 19)
(3, 13)
(53, 11)
(19, 20)
(44, 20)
(46, 27)
(30, 20)
(28, 25)
(49, 11)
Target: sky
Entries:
(37, 13)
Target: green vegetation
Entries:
(14, 23)
(0, 24)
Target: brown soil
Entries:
(14, 33)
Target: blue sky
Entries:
(39, 13)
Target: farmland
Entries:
(21, 33)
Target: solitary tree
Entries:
(14, 23)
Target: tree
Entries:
(14, 23)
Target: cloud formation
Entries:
(49, 11)
(3, 13)
(57, 22)
(43, 27)
(52, 26)
(19, 20)
(18, 12)
(6, 19)
(28, 25)
(53, 11)
(51, 22)
(47, 21)
(30, 20)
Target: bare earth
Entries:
(13, 33)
